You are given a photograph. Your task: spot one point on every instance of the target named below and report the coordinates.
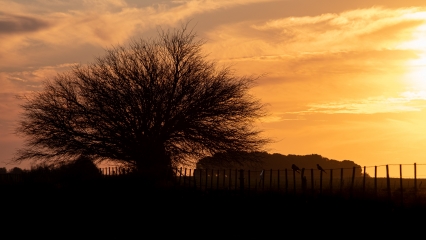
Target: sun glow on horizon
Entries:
(416, 68)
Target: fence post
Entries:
(236, 179)
(294, 181)
(224, 179)
(415, 179)
(341, 180)
(195, 178)
(278, 180)
(211, 179)
(353, 180)
(388, 182)
(190, 177)
(320, 183)
(248, 180)
(303, 180)
(375, 181)
(312, 181)
(230, 179)
(286, 181)
(241, 180)
(363, 182)
(400, 184)
(270, 180)
(180, 175)
(207, 178)
(184, 179)
(331, 181)
(217, 179)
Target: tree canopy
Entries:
(154, 103)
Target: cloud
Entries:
(20, 24)
(407, 102)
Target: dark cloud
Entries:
(20, 24)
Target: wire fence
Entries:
(391, 180)
(401, 181)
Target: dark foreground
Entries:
(130, 205)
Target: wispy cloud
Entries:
(407, 102)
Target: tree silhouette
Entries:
(153, 104)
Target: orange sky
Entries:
(346, 80)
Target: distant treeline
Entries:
(258, 161)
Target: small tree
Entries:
(154, 104)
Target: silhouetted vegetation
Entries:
(263, 160)
(152, 105)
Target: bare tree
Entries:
(153, 104)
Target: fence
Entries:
(400, 180)
(344, 181)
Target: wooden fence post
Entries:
(223, 178)
(294, 181)
(236, 179)
(241, 180)
(217, 179)
(415, 178)
(375, 181)
(270, 180)
(331, 181)
(303, 180)
(184, 179)
(400, 184)
(312, 181)
(230, 179)
(388, 182)
(207, 178)
(248, 180)
(353, 180)
(278, 180)
(190, 177)
(341, 180)
(211, 179)
(320, 183)
(286, 180)
(363, 182)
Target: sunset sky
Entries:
(343, 79)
